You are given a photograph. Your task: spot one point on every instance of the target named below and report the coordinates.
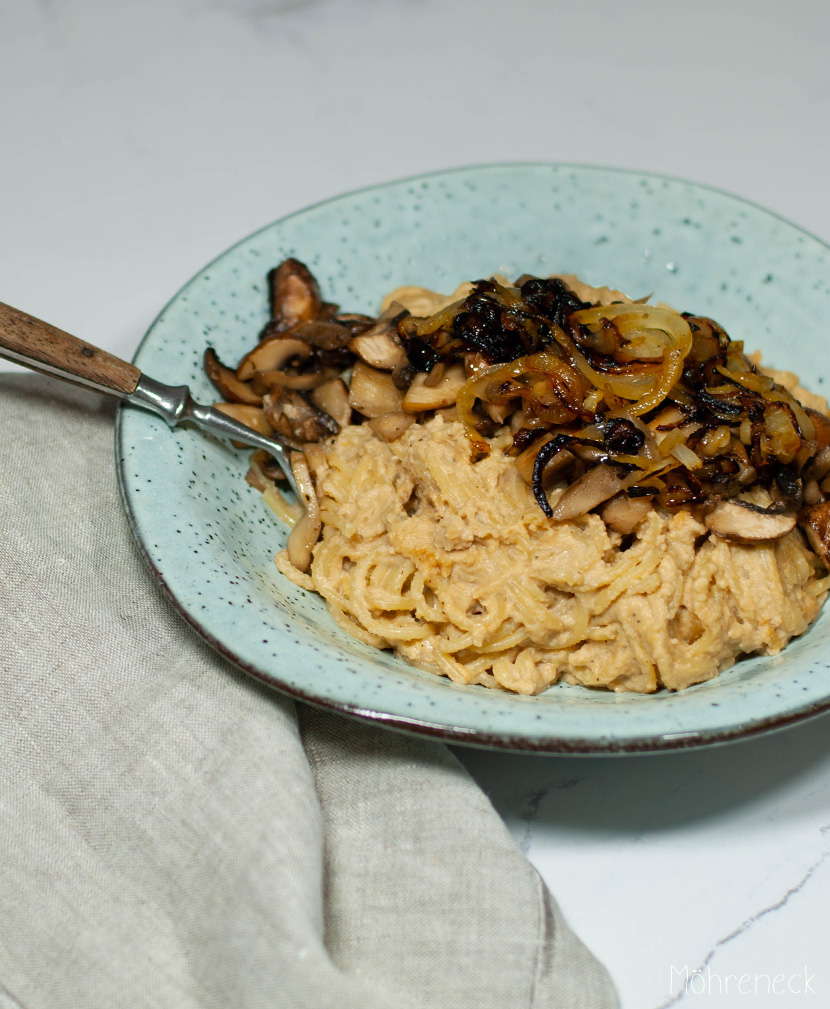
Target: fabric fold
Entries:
(175, 834)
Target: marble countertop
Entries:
(141, 140)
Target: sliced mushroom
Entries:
(333, 397)
(260, 474)
(295, 296)
(449, 414)
(380, 346)
(815, 521)
(380, 350)
(420, 396)
(328, 310)
(355, 322)
(623, 513)
(268, 380)
(820, 465)
(740, 520)
(254, 478)
(271, 354)
(597, 485)
(822, 427)
(498, 412)
(226, 381)
(787, 489)
(292, 415)
(307, 529)
(436, 373)
(554, 467)
(326, 335)
(373, 392)
(390, 426)
(315, 456)
(588, 453)
(264, 465)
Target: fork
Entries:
(44, 348)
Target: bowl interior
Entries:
(210, 539)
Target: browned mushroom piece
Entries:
(749, 523)
(819, 466)
(264, 466)
(267, 381)
(380, 350)
(373, 392)
(255, 480)
(307, 529)
(270, 354)
(623, 513)
(355, 322)
(422, 396)
(812, 492)
(498, 412)
(554, 467)
(390, 426)
(295, 295)
(815, 521)
(333, 397)
(380, 346)
(822, 426)
(328, 310)
(597, 485)
(292, 415)
(323, 334)
(226, 382)
(272, 469)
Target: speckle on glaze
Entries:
(210, 539)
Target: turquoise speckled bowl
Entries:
(210, 539)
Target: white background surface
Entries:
(139, 140)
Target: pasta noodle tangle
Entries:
(450, 563)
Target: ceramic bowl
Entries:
(210, 539)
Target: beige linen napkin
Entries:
(175, 834)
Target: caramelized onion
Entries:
(627, 400)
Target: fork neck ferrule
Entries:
(168, 401)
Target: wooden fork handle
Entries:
(28, 341)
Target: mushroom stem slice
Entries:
(380, 350)
(815, 521)
(271, 354)
(390, 426)
(356, 322)
(373, 392)
(292, 415)
(597, 485)
(295, 296)
(333, 397)
(623, 513)
(268, 381)
(421, 396)
(225, 380)
(323, 334)
(380, 346)
(748, 523)
(822, 427)
(307, 529)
